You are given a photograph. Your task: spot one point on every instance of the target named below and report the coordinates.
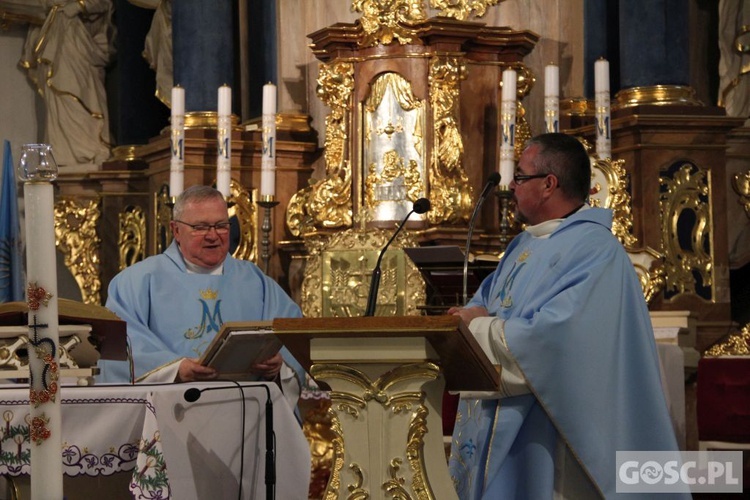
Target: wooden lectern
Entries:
(387, 376)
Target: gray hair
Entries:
(194, 194)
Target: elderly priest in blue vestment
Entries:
(565, 316)
(175, 303)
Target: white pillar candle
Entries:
(41, 269)
(224, 150)
(177, 142)
(268, 159)
(601, 90)
(552, 98)
(508, 127)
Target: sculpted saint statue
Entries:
(66, 59)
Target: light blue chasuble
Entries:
(577, 326)
(191, 309)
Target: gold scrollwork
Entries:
(462, 9)
(163, 211)
(526, 80)
(395, 485)
(242, 207)
(741, 185)
(356, 491)
(77, 239)
(328, 202)
(385, 20)
(737, 344)
(132, 240)
(451, 194)
(686, 196)
(415, 454)
(610, 173)
(334, 483)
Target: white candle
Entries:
(552, 98)
(177, 141)
(601, 90)
(41, 270)
(268, 159)
(508, 128)
(224, 150)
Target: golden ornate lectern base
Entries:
(387, 376)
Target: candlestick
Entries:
(37, 169)
(177, 142)
(224, 138)
(601, 88)
(508, 128)
(552, 98)
(267, 202)
(268, 159)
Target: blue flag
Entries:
(11, 256)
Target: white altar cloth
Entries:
(174, 448)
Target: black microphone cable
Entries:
(193, 394)
(492, 181)
(420, 206)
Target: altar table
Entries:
(174, 448)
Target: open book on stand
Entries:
(238, 346)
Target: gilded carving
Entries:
(737, 344)
(393, 390)
(741, 184)
(163, 211)
(76, 237)
(686, 231)
(339, 269)
(384, 21)
(243, 210)
(451, 194)
(415, 454)
(392, 172)
(356, 491)
(395, 485)
(615, 196)
(334, 483)
(327, 203)
(132, 240)
(525, 83)
(461, 9)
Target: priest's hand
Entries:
(270, 368)
(191, 371)
(468, 313)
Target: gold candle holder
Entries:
(268, 203)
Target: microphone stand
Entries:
(493, 181)
(420, 206)
(193, 394)
(372, 296)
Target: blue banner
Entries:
(11, 255)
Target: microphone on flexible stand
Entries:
(492, 181)
(193, 394)
(420, 206)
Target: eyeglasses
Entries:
(203, 229)
(521, 178)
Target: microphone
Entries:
(420, 206)
(193, 394)
(492, 181)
